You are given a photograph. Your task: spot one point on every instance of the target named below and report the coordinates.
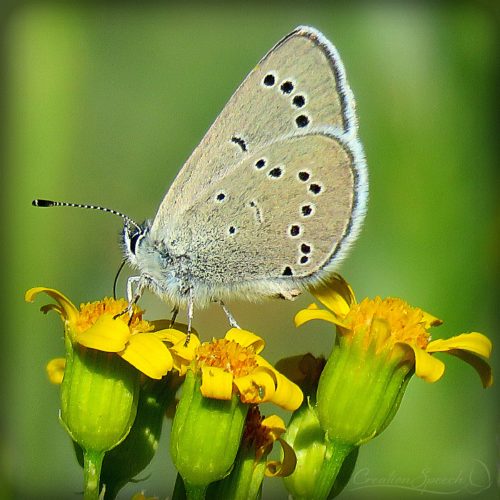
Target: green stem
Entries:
(195, 491)
(92, 462)
(334, 458)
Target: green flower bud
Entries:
(205, 435)
(360, 388)
(136, 451)
(99, 396)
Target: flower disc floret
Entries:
(405, 323)
(227, 355)
(90, 312)
(233, 366)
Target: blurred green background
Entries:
(102, 104)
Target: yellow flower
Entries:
(233, 365)
(397, 326)
(226, 377)
(135, 340)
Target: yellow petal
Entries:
(257, 387)
(430, 320)
(287, 395)
(286, 466)
(171, 335)
(180, 364)
(55, 370)
(468, 347)
(186, 352)
(305, 315)
(106, 334)
(148, 354)
(245, 339)
(427, 367)
(69, 312)
(216, 383)
(271, 429)
(336, 294)
(275, 424)
(182, 354)
(472, 342)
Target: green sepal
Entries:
(359, 390)
(136, 451)
(245, 480)
(206, 434)
(99, 396)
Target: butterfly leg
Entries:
(229, 316)
(132, 296)
(190, 310)
(175, 312)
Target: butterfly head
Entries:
(133, 236)
(158, 269)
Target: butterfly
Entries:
(273, 196)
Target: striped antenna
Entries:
(51, 203)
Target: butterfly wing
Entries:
(276, 220)
(276, 190)
(297, 88)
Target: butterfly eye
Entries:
(134, 238)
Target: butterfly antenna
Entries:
(51, 203)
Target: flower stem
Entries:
(92, 462)
(335, 455)
(195, 491)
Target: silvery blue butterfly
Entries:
(271, 199)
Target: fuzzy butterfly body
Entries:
(273, 196)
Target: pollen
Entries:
(228, 355)
(91, 311)
(406, 323)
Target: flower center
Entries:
(406, 323)
(228, 355)
(91, 311)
